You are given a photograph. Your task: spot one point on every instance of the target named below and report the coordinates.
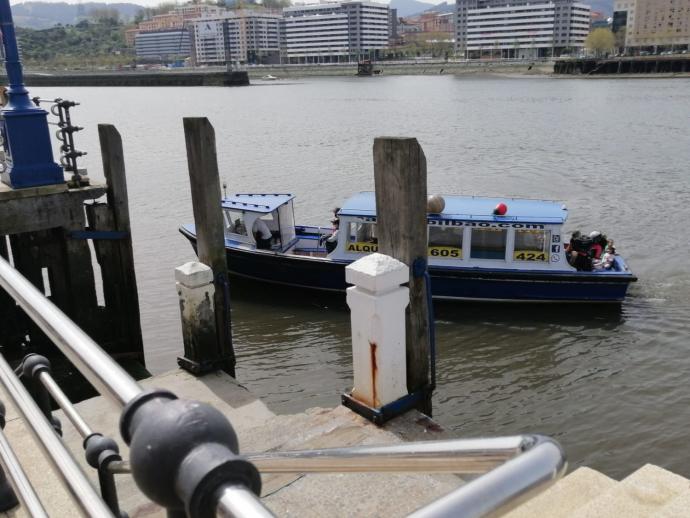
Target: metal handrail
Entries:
(65, 404)
(459, 456)
(20, 482)
(97, 367)
(70, 473)
(102, 372)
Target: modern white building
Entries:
(237, 36)
(335, 32)
(163, 44)
(520, 29)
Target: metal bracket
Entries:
(379, 416)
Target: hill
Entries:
(85, 44)
(410, 7)
(42, 15)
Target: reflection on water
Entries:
(610, 383)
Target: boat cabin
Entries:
(468, 233)
(245, 214)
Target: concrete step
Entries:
(566, 495)
(678, 507)
(258, 430)
(642, 494)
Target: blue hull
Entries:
(446, 283)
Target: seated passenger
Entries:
(239, 227)
(262, 234)
(597, 246)
(332, 240)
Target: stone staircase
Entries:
(649, 492)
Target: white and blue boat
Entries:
(475, 253)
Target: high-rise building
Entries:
(163, 45)
(335, 32)
(246, 36)
(652, 23)
(520, 28)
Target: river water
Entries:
(612, 384)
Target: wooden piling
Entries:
(115, 256)
(208, 217)
(400, 182)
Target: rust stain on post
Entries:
(374, 374)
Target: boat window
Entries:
(488, 243)
(445, 242)
(362, 237)
(286, 219)
(234, 222)
(532, 245)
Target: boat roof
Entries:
(263, 203)
(473, 208)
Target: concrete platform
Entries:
(258, 430)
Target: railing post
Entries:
(208, 218)
(401, 223)
(378, 302)
(31, 367)
(196, 294)
(8, 498)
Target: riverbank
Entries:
(218, 76)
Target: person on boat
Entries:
(571, 247)
(597, 246)
(262, 234)
(332, 240)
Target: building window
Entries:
(445, 242)
(488, 243)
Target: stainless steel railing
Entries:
(513, 468)
(101, 371)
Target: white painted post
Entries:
(377, 304)
(194, 281)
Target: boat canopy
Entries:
(473, 208)
(261, 203)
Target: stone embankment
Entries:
(217, 76)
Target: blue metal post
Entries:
(24, 125)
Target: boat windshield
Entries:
(286, 217)
(234, 222)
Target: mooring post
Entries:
(208, 218)
(116, 256)
(377, 304)
(401, 223)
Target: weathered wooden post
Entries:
(401, 223)
(114, 253)
(378, 302)
(208, 217)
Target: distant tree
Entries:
(105, 15)
(600, 41)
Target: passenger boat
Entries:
(476, 252)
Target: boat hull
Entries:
(446, 283)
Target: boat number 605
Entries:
(445, 252)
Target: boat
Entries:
(480, 248)
(269, 77)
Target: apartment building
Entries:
(653, 23)
(245, 36)
(335, 32)
(164, 45)
(520, 29)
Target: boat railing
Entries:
(511, 468)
